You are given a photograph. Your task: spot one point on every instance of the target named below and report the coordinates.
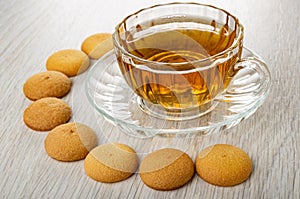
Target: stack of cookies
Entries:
(163, 169)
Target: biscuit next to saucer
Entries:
(166, 169)
(46, 113)
(223, 165)
(70, 142)
(97, 45)
(111, 163)
(70, 62)
(47, 84)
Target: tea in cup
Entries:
(179, 56)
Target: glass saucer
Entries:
(110, 96)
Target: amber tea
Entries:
(179, 50)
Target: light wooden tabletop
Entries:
(32, 30)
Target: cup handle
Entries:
(252, 79)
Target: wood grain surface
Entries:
(32, 30)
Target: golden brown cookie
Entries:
(70, 142)
(70, 62)
(223, 165)
(111, 163)
(47, 84)
(166, 169)
(97, 45)
(46, 113)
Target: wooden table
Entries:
(32, 30)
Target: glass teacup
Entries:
(178, 57)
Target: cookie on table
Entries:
(97, 45)
(47, 84)
(70, 62)
(111, 163)
(223, 165)
(46, 113)
(166, 169)
(70, 142)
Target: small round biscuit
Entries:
(70, 62)
(47, 84)
(97, 45)
(223, 165)
(111, 163)
(46, 113)
(166, 169)
(70, 142)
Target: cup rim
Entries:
(235, 44)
